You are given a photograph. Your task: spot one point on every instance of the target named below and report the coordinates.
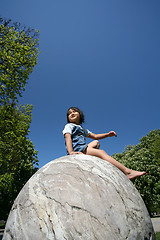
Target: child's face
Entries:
(74, 117)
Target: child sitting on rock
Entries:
(75, 140)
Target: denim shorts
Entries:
(84, 149)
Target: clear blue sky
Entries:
(100, 55)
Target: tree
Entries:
(17, 155)
(18, 56)
(18, 159)
(144, 156)
(156, 149)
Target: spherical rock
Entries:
(79, 197)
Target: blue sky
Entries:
(102, 56)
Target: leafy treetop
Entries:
(18, 56)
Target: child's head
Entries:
(75, 109)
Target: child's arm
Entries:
(69, 144)
(102, 135)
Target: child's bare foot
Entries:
(134, 174)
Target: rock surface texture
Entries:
(79, 197)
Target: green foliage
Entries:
(156, 149)
(158, 236)
(145, 157)
(18, 56)
(17, 154)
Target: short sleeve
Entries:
(67, 129)
(87, 132)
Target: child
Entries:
(75, 139)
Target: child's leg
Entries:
(102, 154)
(94, 144)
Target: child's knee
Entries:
(94, 144)
(97, 144)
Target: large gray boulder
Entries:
(79, 197)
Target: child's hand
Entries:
(111, 134)
(71, 153)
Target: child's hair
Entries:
(76, 110)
